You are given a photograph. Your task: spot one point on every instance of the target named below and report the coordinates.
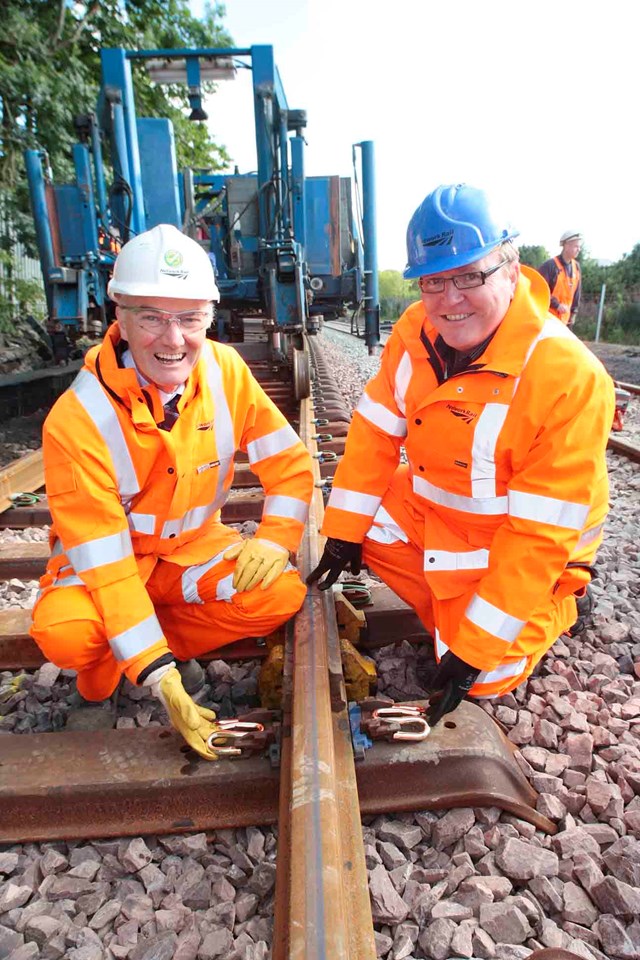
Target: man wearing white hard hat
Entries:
(562, 273)
(138, 457)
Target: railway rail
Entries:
(132, 782)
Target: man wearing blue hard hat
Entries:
(490, 529)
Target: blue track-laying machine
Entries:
(288, 249)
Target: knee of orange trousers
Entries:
(68, 629)
(193, 629)
(539, 636)
(400, 566)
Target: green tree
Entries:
(533, 256)
(391, 283)
(50, 72)
(396, 294)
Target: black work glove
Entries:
(584, 605)
(337, 556)
(452, 682)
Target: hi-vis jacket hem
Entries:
(506, 467)
(124, 493)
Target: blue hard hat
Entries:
(453, 226)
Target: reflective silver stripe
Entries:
(225, 589)
(488, 506)
(354, 502)
(192, 519)
(403, 378)
(136, 639)
(494, 620)
(448, 560)
(512, 668)
(588, 537)
(68, 582)
(98, 406)
(279, 505)
(483, 451)
(501, 672)
(272, 443)
(380, 416)
(193, 574)
(385, 529)
(142, 522)
(100, 552)
(558, 513)
(222, 426)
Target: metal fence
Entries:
(19, 266)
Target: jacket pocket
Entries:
(571, 580)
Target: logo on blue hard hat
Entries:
(439, 239)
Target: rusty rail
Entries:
(629, 387)
(322, 900)
(628, 450)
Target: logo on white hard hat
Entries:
(174, 260)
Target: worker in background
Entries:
(562, 273)
(60, 345)
(138, 458)
(490, 530)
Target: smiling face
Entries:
(165, 359)
(571, 249)
(464, 318)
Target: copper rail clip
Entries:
(244, 736)
(384, 719)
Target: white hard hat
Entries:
(163, 262)
(570, 235)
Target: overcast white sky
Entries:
(535, 102)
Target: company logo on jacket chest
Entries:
(463, 413)
(205, 426)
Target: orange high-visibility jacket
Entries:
(564, 288)
(507, 465)
(124, 493)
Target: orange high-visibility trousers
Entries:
(394, 550)
(70, 632)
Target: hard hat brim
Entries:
(454, 260)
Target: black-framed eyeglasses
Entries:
(461, 281)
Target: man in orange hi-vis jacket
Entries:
(138, 457)
(562, 273)
(490, 530)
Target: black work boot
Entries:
(192, 676)
(92, 715)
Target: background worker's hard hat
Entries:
(163, 262)
(570, 235)
(454, 225)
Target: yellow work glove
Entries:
(193, 722)
(257, 560)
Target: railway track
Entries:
(131, 782)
